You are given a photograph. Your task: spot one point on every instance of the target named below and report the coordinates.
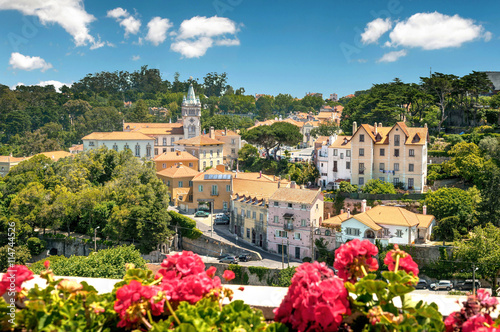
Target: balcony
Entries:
(361, 171)
(288, 226)
(214, 193)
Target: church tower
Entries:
(191, 114)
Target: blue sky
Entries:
(265, 46)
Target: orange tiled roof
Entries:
(391, 215)
(425, 220)
(161, 131)
(340, 142)
(254, 188)
(175, 156)
(224, 133)
(383, 132)
(199, 140)
(179, 171)
(322, 139)
(78, 147)
(295, 195)
(335, 220)
(117, 136)
(56, 155)
(139, 125)
(325, 115)
(9, 159)
(201, 176)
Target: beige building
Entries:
(232, 144)
(141, 145)
(179, 180)
(209, 151)
(396, 154)
(213, 185)
(7, 162)
(169, 159)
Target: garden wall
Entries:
(207, 246)
(248, 275)
(381, 197)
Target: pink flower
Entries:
(352, 257)
(46, 264)
(228, 275)
(316, 300)
(15, 275)
(476, 322)
(406, 262)
(485, 299)
(211, 271)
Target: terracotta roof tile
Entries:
(254, 188)
(201, 176)
(335, 220)
(56, 155)
(199, 140)
(295, 195)
(179, 171)
(138, 125)
(176, 155)
(117, 136)
(342, 142)
(391, 215)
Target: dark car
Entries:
(422, 284)
(221, 220)
(245, 257)
(467, 285)
(229, 260)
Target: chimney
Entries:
(354, 127)
(302, 186)
(368, 208)
(425, 125)
(380, 124)
(375, 128)
(274, 178)
(221, 168)
(328, 215)
(225, 131)
(279, 184)
(293, 185)
(177, 152)
(363, 205)
(212, 133)
(342, 211)
(348, 213)
(424, 209)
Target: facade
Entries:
(396, 154)
(294, 216)
(76, 148)
(213, 185)
(7, 162)
(179, 180)
(334, 162)
(304, 128)
(388, 224)
(209, 151)
(169, 159)
(142, 146)
(191, 114)
(232, 144)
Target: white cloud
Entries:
(158, 30)
(58, 85)
(69, 14)
(127, 21)
(136, 57)
(432, 31)
(26, 62)
(392, 56)
(375, 29)
(198, 34)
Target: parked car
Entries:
(442, 284)
(203, 214)
(229, 260)
(467, 285)
(221, 221)
(219, 215)
(244, 257)
(422, 284)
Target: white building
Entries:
(334, 162)
(141, 145)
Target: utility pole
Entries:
(288, 252)
(211, 219)
(312, 242)
(474, 279)
(95, 238)
(282, 255)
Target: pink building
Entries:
(295, 216)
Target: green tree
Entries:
(325, 129)
(248, 156)
(375, 186)
(139, 113)
(440, 86)
(214, 84)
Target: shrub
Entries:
(21, 256)
(187, 225)
(375, 186)
(36, 246)
(347, 187)
(285, 277)
(306, 259)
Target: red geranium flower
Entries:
(354, 256)
(476, 322)
(46, 264)
(228, 275)
(16, 275)
(406, 262)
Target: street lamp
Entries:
(95, 238)
(474, 269)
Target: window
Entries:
(280, 233)
(348, 153)
(396, 140)
(115, 147)
(233, 151)
(204, 164)
(335, 166)
(156, 151)
(276, 219)
(164, 150)
(172, 140)
(321, 164)
(362, 138)
(335, 152)
(412, 152)
(180, 198)
(290, 205)
(148, 150)
(361, 168)
(91, 143)
(137, 150)
(382, 166)
(180, 184)
(303, 207)
(361, 181)
(218, 162)
(328, 233)
(218, 153)
(386, 231)
(172, 150)
(411, 167)
(248, 232)
(317, 232)
(243, 213)
(233, 141)
(204, 154)
(254, 215)
(200, 188)
(164, 141)
(211, 153)
(361, 152)
(396, 166)
(168, 183)
(303, 223)
(348, 165)
(296, 236)
(190, 183)
(228, 187)
(190, 198)
(342, 155)
(261, 217)
(395, 181)
(396, 152)
(190, 164)
(164, 165)
(211, 163)
(215, 190)
(156, 140)
(399, 233)
(276, 204)
(410, 183)
(352, 231)
(126, 147)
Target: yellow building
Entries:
(7, 162)
(179, 180)
(169, 159)
(209, 151)
(232, 144)
(213, 185)
(395, 154)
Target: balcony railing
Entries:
(361, 171)
(214, 193)
(288, 226)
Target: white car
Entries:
(442, 284)
(219, 215)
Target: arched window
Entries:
(328, 233)
(204, 164)
(148, 150)
(115, 147)
(126, 147)
(137, 150)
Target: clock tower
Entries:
(191, 114)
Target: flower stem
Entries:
(397, 263)
(145, 321)
(364, 270)
(173, 313)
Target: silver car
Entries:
(442, 284)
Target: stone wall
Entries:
(207, 246)
(246, 275)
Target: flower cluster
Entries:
(474, 315)
(316, 300)
(399, 259)
(354, 259)
(14, 278)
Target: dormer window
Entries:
(378, 138)
(416, 139)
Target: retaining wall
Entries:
(207, 246)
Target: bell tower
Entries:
(191, 114)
